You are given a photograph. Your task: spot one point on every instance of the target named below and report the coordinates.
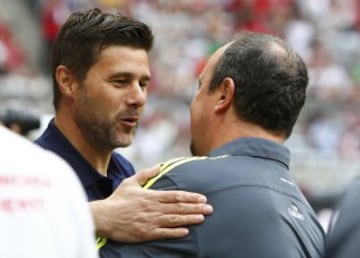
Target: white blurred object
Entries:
(43, 209)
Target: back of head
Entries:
(85, 34)
(270, 80)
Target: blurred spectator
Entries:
(350, 140)
(323, 133)
(54, 14)
(299, 32)
(317, 10)
(329, 80)
(19, 122)
(11, 54)
(343, 14)
(326, 33)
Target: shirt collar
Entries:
(87, 174)
(258, 147)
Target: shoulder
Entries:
(41, 189)
(352, 194)
(23, 157)
(345, 231)
(27, 152)
(184, 167)
(347, 214)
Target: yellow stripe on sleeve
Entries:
(100, 242)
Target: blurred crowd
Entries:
(326, 33)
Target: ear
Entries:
(65, 80)
(226, 95)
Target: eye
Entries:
(144, 84)
(120, 82)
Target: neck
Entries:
(228, 131)
(98, 159)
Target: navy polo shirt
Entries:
(95, 184)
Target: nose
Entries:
(137, 95)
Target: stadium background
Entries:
(326, 141)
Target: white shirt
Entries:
(43, 209)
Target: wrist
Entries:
(99, 218)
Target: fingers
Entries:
(175, 207)
(175, 221)
(145, 175)
(171, 226)
(135, 214)
(168, 233)
(187, 208)
(179, 202)
(180, 196)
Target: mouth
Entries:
(130, 121)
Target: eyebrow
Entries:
(126, 74)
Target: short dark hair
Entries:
(85, 34)
(270, 80)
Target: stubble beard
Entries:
(101, 134)
(119, 137)
(104, 135)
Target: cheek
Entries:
(195, 117)
(110, 100)
(192, 112)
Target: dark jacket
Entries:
(259, 211)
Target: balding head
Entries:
(270, 80)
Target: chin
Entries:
(121, 143)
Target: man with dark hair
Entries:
(249, 97)
(100, 72)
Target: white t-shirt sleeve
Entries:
(43, 209)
